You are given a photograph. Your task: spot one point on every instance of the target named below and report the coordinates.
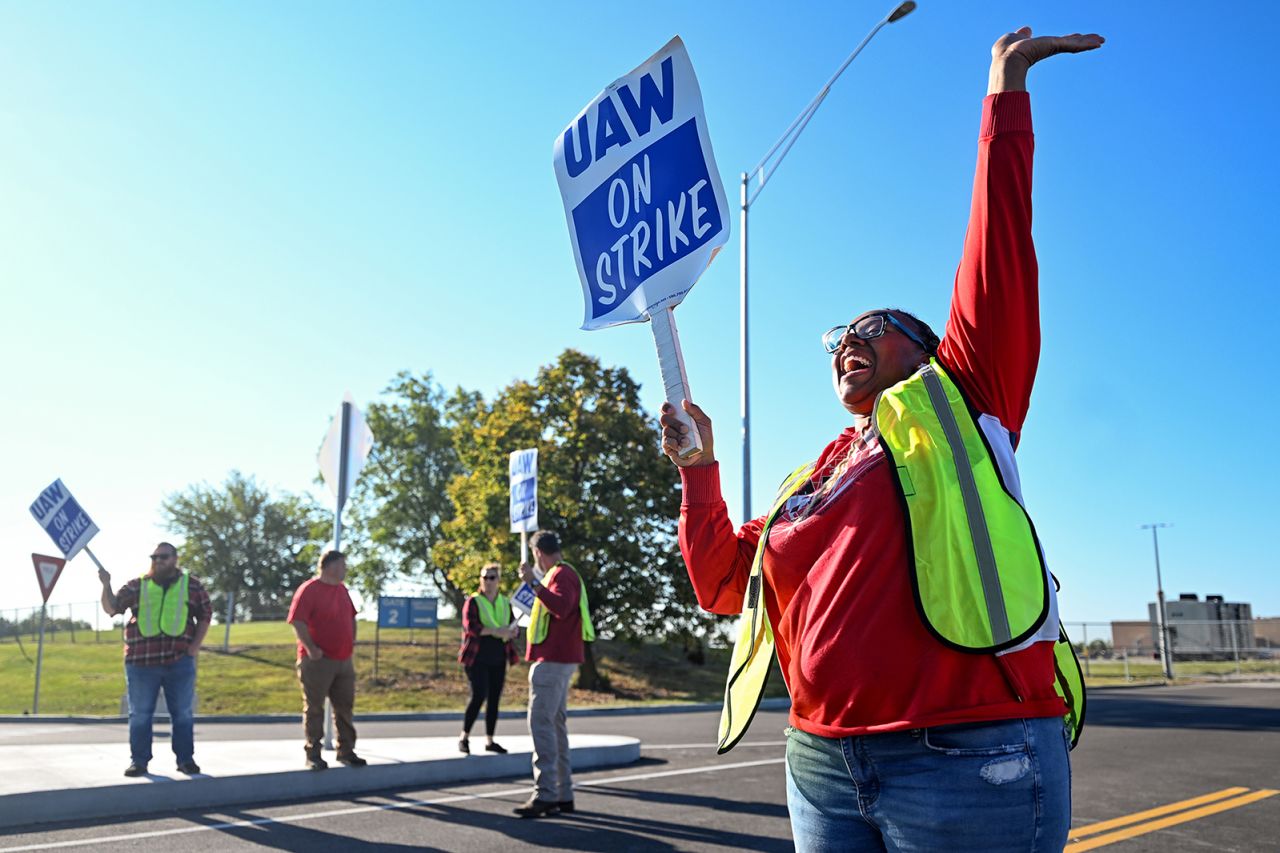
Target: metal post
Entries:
(437, 645)
(765, 169)
(1166, 652)
(231, 609)
(744, 357)
(1235, 647)
(377, 640)
(1124, 654)
(35, 702)
(343, 451)
(1084, 634)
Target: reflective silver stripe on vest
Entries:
(985, 554)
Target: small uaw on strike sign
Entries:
(644, 204)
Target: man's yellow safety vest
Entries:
(163, 610)
(493, 614)
(979, 580)
(540, 616)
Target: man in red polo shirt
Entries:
(324, 620)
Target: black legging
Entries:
(486, 682)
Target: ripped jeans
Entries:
(985, 787)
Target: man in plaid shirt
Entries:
(171, 614)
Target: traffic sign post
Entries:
(48, 570)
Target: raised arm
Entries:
(992, 342)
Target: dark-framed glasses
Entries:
(162, 556)
(489, 577)
(867, 328)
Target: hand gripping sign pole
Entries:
(644, 204)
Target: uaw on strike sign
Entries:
(67, 524)
(644, 204)
(642, 196)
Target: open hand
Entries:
(675, 435)
(1014, 53)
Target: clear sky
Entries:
(218, 217)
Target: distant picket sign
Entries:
(522, 599)
(523, 470)
(62, 517)
(642, 194)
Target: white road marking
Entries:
(509, 792)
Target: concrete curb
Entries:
(162, 794)
(775, 704)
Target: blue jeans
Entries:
(178, 679)
(982, 787)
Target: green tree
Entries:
(243, 542)
(603, 485)
(401, 499)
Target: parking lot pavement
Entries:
(1159, 769)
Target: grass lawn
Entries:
(256, 675)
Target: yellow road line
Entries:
(1095, 828)
(1184, 817)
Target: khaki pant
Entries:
(549, 727)
(334, 680)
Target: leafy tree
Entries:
(400, 500)
(603, 486)
(241, 541)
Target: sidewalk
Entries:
(47, 782)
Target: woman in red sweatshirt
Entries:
(898, 741)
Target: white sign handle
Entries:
(674, 380)
(524, 546)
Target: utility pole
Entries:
(1166, 653)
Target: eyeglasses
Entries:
(162, 556)
(869, 327)
(489, 577)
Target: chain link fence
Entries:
(1130, 650)
(77, 622)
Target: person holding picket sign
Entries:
(487, 649)
(933, 696)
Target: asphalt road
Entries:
(1144, 748)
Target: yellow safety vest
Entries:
(540, 616)
(493, 614)
(158, 612)
(979, 581)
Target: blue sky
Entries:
(218, 217)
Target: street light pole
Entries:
(1166, 653)
(763, 171)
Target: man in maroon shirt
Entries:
(324, 620)
(555, 638)
(896, 738)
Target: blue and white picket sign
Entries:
(644, 203)
(523, 469)
(67, 524)
(642, 194)
(522, 600)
